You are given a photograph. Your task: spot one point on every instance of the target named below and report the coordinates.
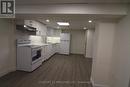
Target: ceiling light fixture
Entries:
(90, 21)
(25, 26)
(84, 28)
(47, 20)
(63, 23)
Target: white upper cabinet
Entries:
(53, 32)
(50, 32)
(41, 28)
(30, 23)
(65, 36)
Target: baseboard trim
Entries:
(89, 57)
(7, 71)
(76, 53)
(97, 85)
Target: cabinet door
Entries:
(53, 49)
(50, 50)
(65, 36)
(64, 47)
(47, 51)
(57, 48)
(30, 23)
(43, 53)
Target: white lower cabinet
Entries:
(57, 48)
(53, 49)
(49, 50)
(46, 50)
(43, 53)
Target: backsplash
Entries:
(53, 39)
(37, 39)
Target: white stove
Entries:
(29, 45)
(28, 55)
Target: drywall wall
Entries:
(104, 36)
(77, 43)
(121, 55)
(7, 46)
(89, 43)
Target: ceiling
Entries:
(18, 2)
(76, 21)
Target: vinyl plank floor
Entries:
(58, 71)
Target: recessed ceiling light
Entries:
(47, 20)
(84, 28)
(25, 26)
(90, 21)
(63, 23)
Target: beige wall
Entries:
(7, 46)
(112, 55)
(77, 41)
(121, 56)
(89, 43)
(103, 54)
